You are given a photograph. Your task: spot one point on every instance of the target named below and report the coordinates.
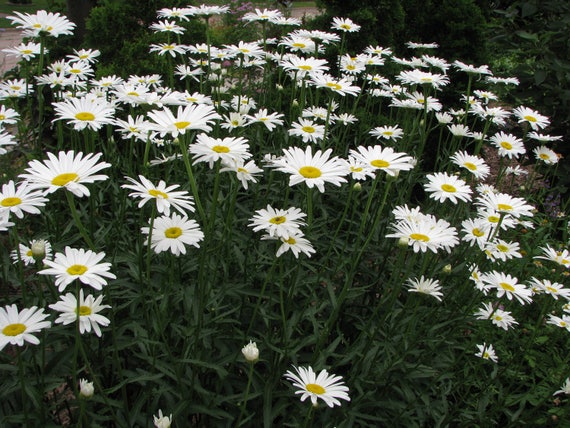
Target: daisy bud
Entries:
(39, 249)
(357, 187)
(403, 242)
(86, 389)
(250, 352)
(279, 87)
(447, 269)
(162, 421)
(295, 103)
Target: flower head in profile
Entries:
(498, 316)
(68, 170)
(25, 51)
(505, 204)
(533, 118)
(42, 22)
(487, 352)
(561, 257)
(474, 164)
(324, 386)
(427, 286)
(17, 327)
(345, 24)
(191, 117)
(173, 233)
(89, 308)
(262, 15)
(383, 159)
(314, 170)
(245, 172)
(546, 155)
(84, 265)
(164, 196)
(6, 139)
(507, 285)
(340, 86)
(17, 200)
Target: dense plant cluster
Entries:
(253, 234)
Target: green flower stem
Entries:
(77, 220)
(268, 277)
(148, 244)
(22, 376)
(184, 150)
(246, 394)
(309, 418)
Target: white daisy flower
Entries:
(384, 159)
(78, 264)
(21, 199)
(329, 388)
(164, 196)
(173, 233)
(308, 130)
(427, 286)
(89, 308)
(277, 222)
(487, 353)
(85, 112)
(228, 150)
(68, 170)
(17, 327)
(442, 186)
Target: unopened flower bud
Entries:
(86, 389)
(357, 187)
(39, 249)
(403, 241)
(250, 352)
(447, 269)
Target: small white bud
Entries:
(250, 352)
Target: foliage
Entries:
(531, 39)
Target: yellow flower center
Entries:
(63, 179)
(419, 237)
(306, 67)
(530, 118)
(504, 207)
(470, 166)
(478, 232)
(498, 317)
(334, 85)
(379, 163)
(493, 219)
(552, 290)
(278, 219)
(173, 232)
(76, 269)
(242, 170)
(310, 172)
(29, 253)
(448, 188)
(85, 116)
(350, 67)
(133, 94)
(26, 51)
(308, 129)
(544, 156)
(421, 100)
(506, 145)
(502, 248)
(2, 117)
(75, 70)
(344, 27)
(11, 201)
(84, 311)
(13, 329)
(299, 45)
(157, 194)
(221, 149)
(355, 169)
(182, 125)
(290, 241)
(388, 133)
(506, 286)
(168, 47)
(315, 389)
(426, 79)
(486, 355)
